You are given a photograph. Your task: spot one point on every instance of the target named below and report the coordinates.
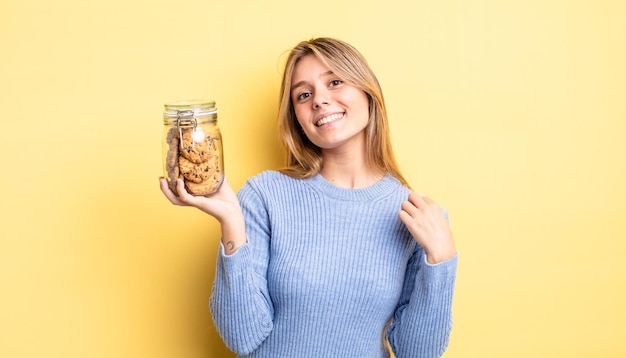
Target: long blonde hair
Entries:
(303, 158)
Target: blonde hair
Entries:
(303, 158)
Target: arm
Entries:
(423, 319)
(240, 302)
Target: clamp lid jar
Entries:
(192, 146)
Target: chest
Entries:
(325, 254)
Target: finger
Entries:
(411, 223)
(165, 188)
(409, 208)
(417, 200)
(163, 185)
(182, 192)
(404, 217)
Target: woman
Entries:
(334, 255)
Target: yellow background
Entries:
(508, 113)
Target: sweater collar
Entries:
(379, 189)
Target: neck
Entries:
(349, 171)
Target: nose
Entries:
(320, 98)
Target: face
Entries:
(333, 113)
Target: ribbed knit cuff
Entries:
(236, 263)
(440, 272)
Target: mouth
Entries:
(328, 119)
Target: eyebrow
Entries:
(300, 83)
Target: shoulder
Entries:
(268, 182)
(273, 190)
(268, 178)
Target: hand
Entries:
(429, 227)
(221, 204)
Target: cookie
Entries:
(199, 167)
(196, 152)
(171, 158)
(196, 173)
(206, 187)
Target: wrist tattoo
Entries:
(230, 245)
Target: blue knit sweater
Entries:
(323, 271)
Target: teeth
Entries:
(331, 118)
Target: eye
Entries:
(302, 96)
(335, 83)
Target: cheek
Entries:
(300, 115)
(365, 103)
(300, 123)
(358, 100)
(301, 126)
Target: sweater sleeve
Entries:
(240, 302)
(423, 319)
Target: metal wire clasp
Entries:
(184, 119)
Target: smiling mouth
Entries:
(328, 119)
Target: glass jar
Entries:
(192, 146)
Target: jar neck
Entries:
(189, 112)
